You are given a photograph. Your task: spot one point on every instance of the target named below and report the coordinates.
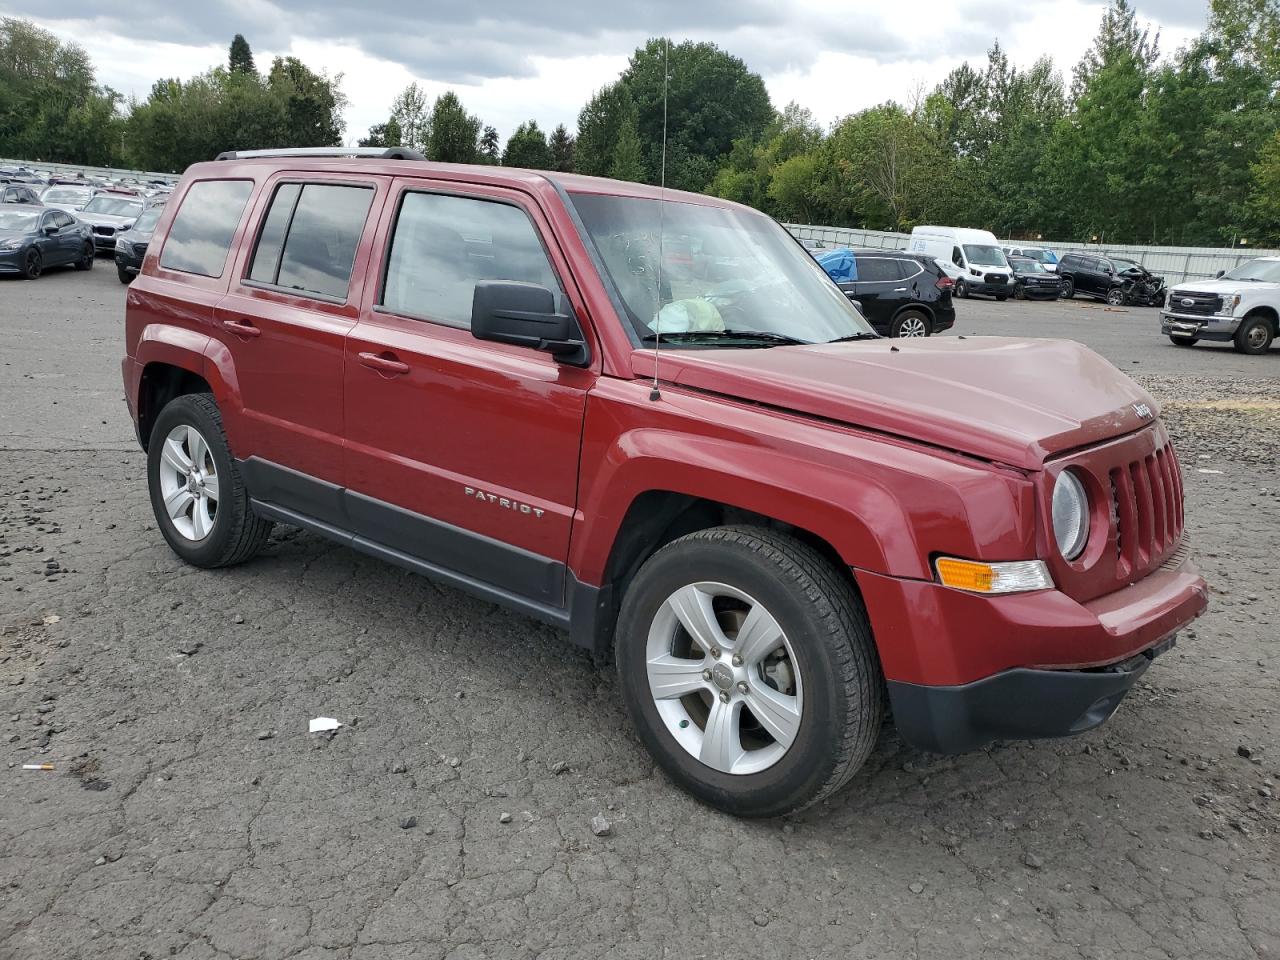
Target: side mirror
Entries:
(1219, 275)
(50, 229)
(524, 314)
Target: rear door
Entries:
(879, 288)
(463, 453)
(294, 297)
(69, 241)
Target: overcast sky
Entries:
(512, 60)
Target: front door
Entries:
(462, 453)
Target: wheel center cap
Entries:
(722, 676)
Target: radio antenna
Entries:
(655, 394)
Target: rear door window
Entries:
(878, 268)
(200, 236)
(309, 237)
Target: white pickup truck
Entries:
(1241, 306)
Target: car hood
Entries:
(106, 219)
(1224, 286)
(16, 235)
(1007, 400)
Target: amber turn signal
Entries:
(975, 577)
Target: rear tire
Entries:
(1001, 297)
(910, 323)
(87, 257)
(962, 289)
(188, 433)
(812, 617)
(1254, 336)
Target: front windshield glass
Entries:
(724, 272)
(113, 206)
(1268, 271)
(16, 221)
(1039, 254)
(1024, 265)
(983, 255)
(66, 195)
(1125, 266)
(147, 222)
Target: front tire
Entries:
(1068, 289)
(32, 265)
(1115, 297)
(125, 276)
(1184, 341)
(198, 496)
(747, 666)
(910, 323)
(1254, 336)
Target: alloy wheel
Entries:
(912, 327)
(723, 678)
(189, 482)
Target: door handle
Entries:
(241, 328)
(899, 289)
(384, 364)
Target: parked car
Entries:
(1042, 255)
(108, 214)
(19, 193)
(813, 246)
(33, 238)
(1241, 306)
(71, 199)
(767, 515)
(1031, 281)
(982, 264)
(131, 246)
(1116, 280)
(900, 294)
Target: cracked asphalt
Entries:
(190, 814)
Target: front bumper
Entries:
(1198, 326)
(988, 289)
(128, 261)
(11, 260)
(101, 243)
(964, 669)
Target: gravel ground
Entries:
(486, 797)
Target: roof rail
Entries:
(379, 153)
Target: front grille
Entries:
(104, 231)
(995, 278)
(1146, 501)
(1201, 304)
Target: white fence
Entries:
(1175, 264)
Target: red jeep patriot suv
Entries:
(651, 419)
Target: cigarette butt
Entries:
(37, 766)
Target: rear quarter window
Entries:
(200, 236)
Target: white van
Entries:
(1041, 255)
(976, 254)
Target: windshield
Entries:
(985, 256)
(1023, 265)
(1039, 254)
(1266, 270)
(147, 222)
(113, 206)
(1126, 265)
(724, 271)
(67, 194)
(17, 221)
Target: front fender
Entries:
(884, 505)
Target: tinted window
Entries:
(322, 238)
(201, 233)
(957, 257)
(266, 259)
(61, 219)
(877, 268)
(443, 245)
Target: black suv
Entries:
(901, 294)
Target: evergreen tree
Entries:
(628, 159)
(527, 147)
(382, 135)
(454, 132)
(562, 145)
(489, 152)
(241, 57)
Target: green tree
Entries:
(628, 160)
(598, 129)
(1264, 202)
(241, 57)
(410, 112)
(454, 132)
(383, 135)
(313, 104)
(562, 146)
(489, 152)
(527, 147)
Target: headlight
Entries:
(976, 273)
(121, 244)
(1070, 515)
(13, 243)
(1229, 304)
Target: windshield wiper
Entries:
(856, 336)
(750, 336)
